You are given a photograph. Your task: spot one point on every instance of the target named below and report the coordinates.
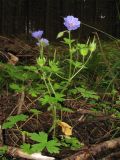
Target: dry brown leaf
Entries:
(66, 128)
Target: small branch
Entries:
(1, 136)
(86, 111)
(16, 152)
(94, 150)
(20, 102)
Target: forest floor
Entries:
(95, 130)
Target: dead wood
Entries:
(95, 150)
(16, 152)
(112, 156)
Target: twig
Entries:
(1, 136)
(20, 102)
(86, 111)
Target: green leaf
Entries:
(68, 41)
(35, 111)
(53, 146)
(41, 137)
(30, 68)
(37, 147)
(3, 150)
(18, 72)
(17, 118)
(48, 100)
(73, 50)
(17, 87)
(59, 97)
(85, 93)
(88, 94)
(33, 92)
(7, 125)
(12, 120)
(64, 109)
(72, 142)
(54, 66)
(56, 86)
(77, 64)
(25, 147)
(36, 89)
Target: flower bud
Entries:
(92, 46)
(41, 61)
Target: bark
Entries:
(16, 152)
(112, 156)
(96, 150)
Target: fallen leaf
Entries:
(66, 128)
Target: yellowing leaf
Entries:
(66, 128)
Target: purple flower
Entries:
(37, 34)
(44, 42)
(71, 23)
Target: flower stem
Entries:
(70, 66)
(41, 51)
(70, 79)
(81, 67)
(44, 79)
(54, 110)
(54, 121)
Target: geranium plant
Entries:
(51, 78)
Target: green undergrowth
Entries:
(86, 71)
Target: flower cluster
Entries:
(71, 23)
(41, 41)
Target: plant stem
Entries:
(83, 59)
(46, 84)
(70, 79)
(41, 51)
(54, 121)
(61, 76)
(70, 68)
(81, 67)
(51, 86)
(54, 110)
